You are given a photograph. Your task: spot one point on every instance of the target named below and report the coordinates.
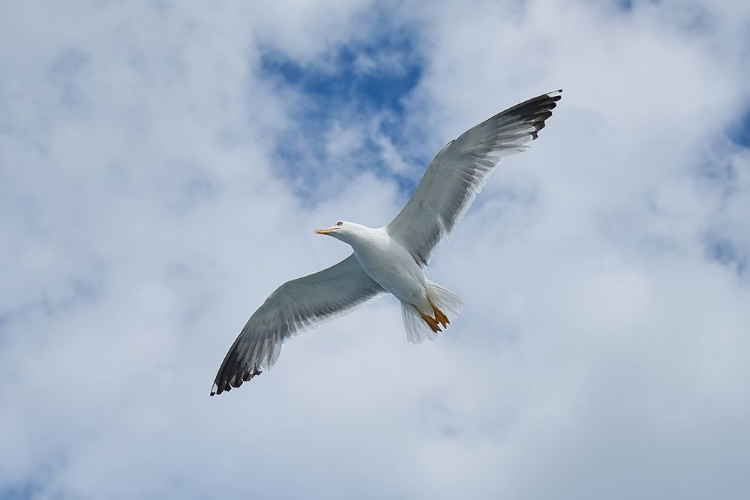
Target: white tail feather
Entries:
(417, 330)
(444, 299)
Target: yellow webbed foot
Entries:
(432, 322)
(440, 316)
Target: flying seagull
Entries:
(390, 259)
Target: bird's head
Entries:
(342, 230)
(336, 230)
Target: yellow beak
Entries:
(325, 231)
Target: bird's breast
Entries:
(389, 264)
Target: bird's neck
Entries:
(362, 236)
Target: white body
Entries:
(388, 263)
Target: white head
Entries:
(343, 230)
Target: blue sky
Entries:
(351, 82)
(163, 165)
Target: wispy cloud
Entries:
(162, 167)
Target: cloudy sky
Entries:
(163, 165)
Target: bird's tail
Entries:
(420, 326)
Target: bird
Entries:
(390, 259)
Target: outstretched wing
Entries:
(459, 171)
(294, 306)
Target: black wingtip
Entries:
(536, 110)
(224, 384)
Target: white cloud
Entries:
(147, 209)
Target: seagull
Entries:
(390, 259)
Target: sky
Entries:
(163, 166)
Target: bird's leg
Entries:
(440, 316)
(432, 322)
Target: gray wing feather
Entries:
(459, 171)
(294, 306)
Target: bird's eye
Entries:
(340, 223)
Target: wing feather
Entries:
(459, 171)
(294, 306)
